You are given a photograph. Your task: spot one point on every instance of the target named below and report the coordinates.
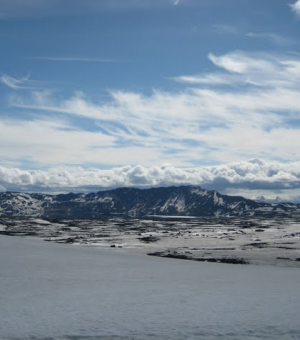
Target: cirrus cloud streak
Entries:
(248, 108)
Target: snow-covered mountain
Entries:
(165, 201)
(278, 199)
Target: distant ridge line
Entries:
(173, 201)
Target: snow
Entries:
(24, 204)
(65, 292)
(180, 204)
(218, 200)
(280, 236)
(179, 201)
(105, 199)
(173, 217)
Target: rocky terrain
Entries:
(187, 223)
(236, 240)
(138, 203)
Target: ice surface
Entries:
(54, 291)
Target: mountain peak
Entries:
(188, 200)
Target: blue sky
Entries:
(145, 93)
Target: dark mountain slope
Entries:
(169, 201)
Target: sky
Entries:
(99, 94)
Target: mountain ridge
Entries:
(188, 200)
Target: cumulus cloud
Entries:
(252, 174)
(296, 7)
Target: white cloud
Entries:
(253, 174)
(11, 82)
(209, 79)
(240, 62)
(47, 143)
(296, 7)
(257, 69)
(228, 63)
(16, 83)
(249, 108)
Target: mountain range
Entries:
(189, 201)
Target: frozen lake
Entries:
(51, 291)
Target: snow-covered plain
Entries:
(254, 240)
(63, 292)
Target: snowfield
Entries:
(254, 240)
(62, 292)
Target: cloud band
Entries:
(252, 174)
